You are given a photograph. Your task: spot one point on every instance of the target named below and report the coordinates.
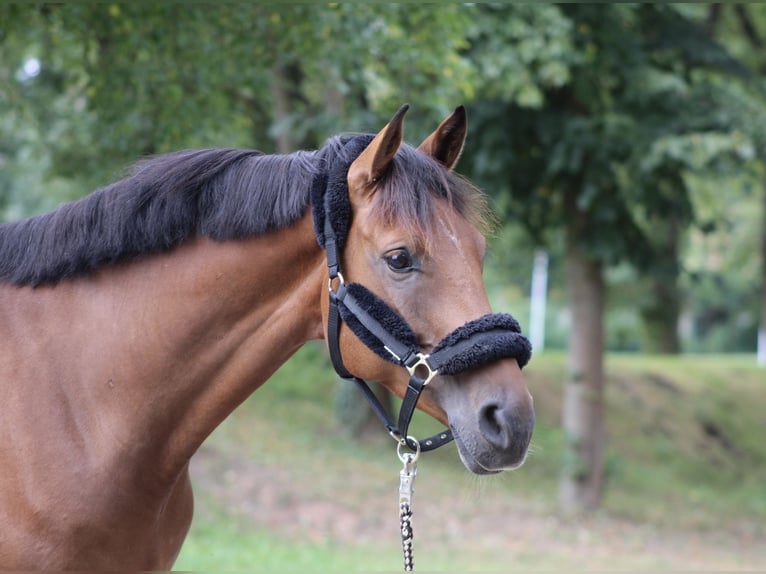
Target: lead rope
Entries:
(406, 488)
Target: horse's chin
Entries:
(472, 461)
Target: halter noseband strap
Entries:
(486, 339)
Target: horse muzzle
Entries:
(495, 436)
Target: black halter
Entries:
(478, 342)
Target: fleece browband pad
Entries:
(478, 342)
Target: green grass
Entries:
(686, 455)
(687, 433)
(224, 545)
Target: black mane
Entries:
(217, 193)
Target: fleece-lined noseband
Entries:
(484, 340)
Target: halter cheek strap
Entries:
(478, 342)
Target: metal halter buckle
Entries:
(422, 362)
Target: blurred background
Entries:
(623, 148)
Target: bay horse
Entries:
(135, 320)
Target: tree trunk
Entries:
(583, 409)
(281, 107)
(660, 320)
(660, 317)
(762, 329)
(355, 413)
(713, 17)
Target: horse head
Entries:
(415, 243)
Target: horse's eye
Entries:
(399, 261)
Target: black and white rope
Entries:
(406, 488)
(405, 522)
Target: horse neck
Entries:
(176, 341)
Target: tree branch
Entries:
(747, 26)
(713, 16)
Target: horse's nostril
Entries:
(495, 426)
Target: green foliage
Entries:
(520, 50)
(119, 81)
(614, 142)
(651, 108)
(621, 115)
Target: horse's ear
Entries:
(446, 143)
(373, 162)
